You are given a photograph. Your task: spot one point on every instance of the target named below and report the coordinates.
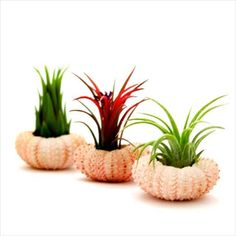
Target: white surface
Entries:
(185, 49)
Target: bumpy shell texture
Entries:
(106, 166)
(170, 183)
(47, 153)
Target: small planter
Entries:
(47, 153)
(108, 166)
(171, 183)
(174, 168)
(51, 145)
(107, 160)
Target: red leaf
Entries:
(110, 110)
(127, 80)
(93, 100)
(98, 91)
(88, 86)
(127, 111)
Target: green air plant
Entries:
(179, 172)
(51, 120)
(175, 148)
(50, 146)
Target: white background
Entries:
(187, 51)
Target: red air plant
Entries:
(113, 112)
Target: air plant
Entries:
(50, 146)
(179, 172)
(51, 119)
(108, 160)
(113, 112)
(175, 148)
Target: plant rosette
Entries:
(175, 170)
(108, 160)
(50, 146)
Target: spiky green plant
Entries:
(51, 120)
(175, 148)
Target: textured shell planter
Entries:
(171, 183)
(47, 153)
(107, 166)
(107, 159)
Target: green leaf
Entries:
(173, 124)
(198, 141)
(166, 150)
(61, 122)
(185, 136)
(150, 122)
(210, 109)
(175, 147)
(173, 142)
(143, 147)
(60, 100)
(45, 132)
(163, 160)
(188, 155)
(187, 119)
(158, 118)
(68, 127)
(47, 75)
(200, 111)
(49, 114)
(203, 130)
(187, 132)
(197, 156)
(44, 89)
(37, 119)
(54, 99)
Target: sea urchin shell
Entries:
(171, 183)
(47, 153)
(107, 166)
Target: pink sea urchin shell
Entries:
(170, 183)
(108, 166)
(47, 153)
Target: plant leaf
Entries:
(203, 130)
(200, 111)
(173, 124)
(158, 118)
(94, 137)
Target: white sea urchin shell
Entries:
(107, 166)
(170, 183)
(47, 153)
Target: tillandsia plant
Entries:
(110, 108)
(50, 146)
(51, 119)
(176, 156)
(113, 116)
